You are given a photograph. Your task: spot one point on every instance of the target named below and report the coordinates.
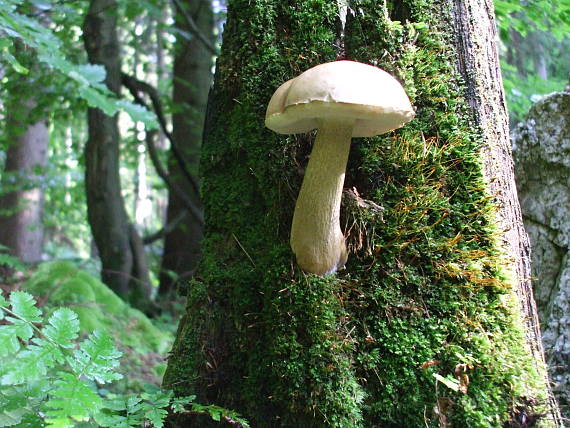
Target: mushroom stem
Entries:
(316, 237)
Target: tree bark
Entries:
(425, 326)
(21, 207)
(192, 79)
(122, 269)
(476, 44)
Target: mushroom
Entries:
(342, 99)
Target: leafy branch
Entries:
(88, 78)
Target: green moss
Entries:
(63, 284)
(424, 292)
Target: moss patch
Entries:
(58, 284)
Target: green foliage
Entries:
(534, 55)
(97, 306)
(88, 78)
(45, 361)
(551, 16)
(10, 262)
(48, 377)
(523, 91)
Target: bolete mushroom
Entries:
(342, 99)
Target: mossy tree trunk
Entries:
(432, 322)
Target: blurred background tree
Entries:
(535, 58)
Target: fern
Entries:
(48, 378)
(48, 371)
(6, 259)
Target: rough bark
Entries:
(21, 209)
(192, 79)
(479, 65)
(105, 205)
(424, 294)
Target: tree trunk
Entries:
(21, 206)
(192, 79)
(432, 323)
(122, 269)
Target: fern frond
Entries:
(121, 412)
(21, 315)
(32, 363)
(96, 358)
(62, 327)
(71, 400)
(23, 307)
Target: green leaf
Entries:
(9, 343)
(98, 100)
(72, 399)
(156, 416)
(62, 328)
(23, 305)
(129, 412)
(11, 262)
(112, 420)
(96, 358)
(32, 363)
(178, 403)
(19, 68)
(91, 73)
(448, 381)
(139, 114)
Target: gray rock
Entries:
(541, 150)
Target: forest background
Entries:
(167, 53)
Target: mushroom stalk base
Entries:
(316, 237)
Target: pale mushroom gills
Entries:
(342, 99)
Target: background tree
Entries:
(119, 246)
(23, 180)
(425, 325)
(534, 59)
(192, 75)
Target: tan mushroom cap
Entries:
(344, 90)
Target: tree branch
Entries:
(193, 28)
(190, 206)
(149, 239)
(135, 86)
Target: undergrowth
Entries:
(50, 376)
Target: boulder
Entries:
(541, 150)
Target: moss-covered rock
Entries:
(59, 283)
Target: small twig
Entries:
(190, 206)
(193, 28)
(149, 239)
(245, 252)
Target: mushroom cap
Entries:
(344, 90)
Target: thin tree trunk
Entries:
(192, 79)
(430, 324)
(476, 44)
(121, 269)
(21, 209)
